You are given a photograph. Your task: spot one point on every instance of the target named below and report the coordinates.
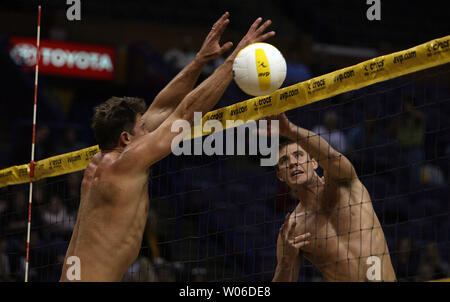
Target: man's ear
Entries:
(124, 139)
(279, 176)
(314, 163)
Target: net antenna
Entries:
(30, 197)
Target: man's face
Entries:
(295, 166)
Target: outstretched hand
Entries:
(283, 126)
(211, 48)
(255, 34)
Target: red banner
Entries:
(63, 58)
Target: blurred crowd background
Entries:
(217, 218)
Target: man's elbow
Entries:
(341, 168)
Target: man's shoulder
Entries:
(104, 160)
(345, 183)
(103, 165)
(124, 164)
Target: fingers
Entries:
(255, 25)
(259, 30)
(300, 244)
(300, 240)
(302, 237)
(265, 36)
(263, 27)
(220, 25)
(226, 47)
(221, 20)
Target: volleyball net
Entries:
(217, 217)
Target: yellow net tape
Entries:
(49, 167)
(426, 55)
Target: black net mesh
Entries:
(217, 218)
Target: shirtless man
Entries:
(334, 225)
(114, 192)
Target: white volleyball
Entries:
(259, 69)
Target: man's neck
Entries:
(310, 195)
(113, 150)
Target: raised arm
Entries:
(168, 99)
(289, 256)
(336, 166)
(156, 145)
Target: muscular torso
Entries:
(111, 219)
(345, 231)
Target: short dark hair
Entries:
(284, 141)
(114, 116)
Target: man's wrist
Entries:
(200, 59)
(291, 131)
(285, 262)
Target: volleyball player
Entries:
(114, 192)
(334, 225)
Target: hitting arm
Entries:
(336, 166)
(171, 96)
(156, 145)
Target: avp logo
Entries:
(238, 110)
(74, 11)
(288, 94)
(261, 64)
(340, 77)
(374, 12)
(404, 57)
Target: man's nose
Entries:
(293, 162)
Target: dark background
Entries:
(222, 214)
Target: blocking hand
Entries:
(255, 34)
(211, 48)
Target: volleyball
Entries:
(259, 69)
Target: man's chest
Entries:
(330, 228)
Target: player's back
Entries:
(111, 218)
